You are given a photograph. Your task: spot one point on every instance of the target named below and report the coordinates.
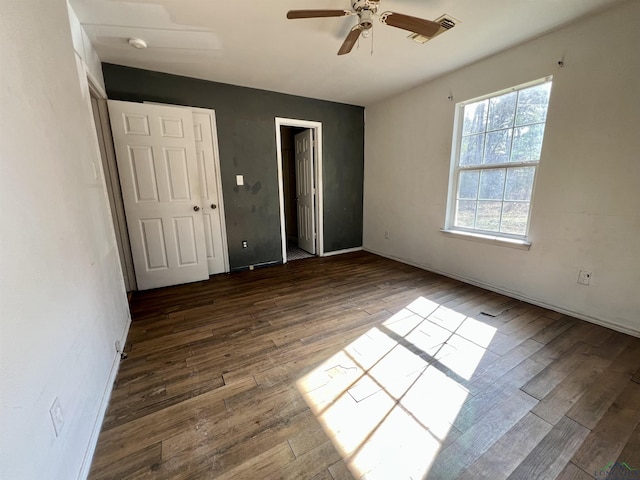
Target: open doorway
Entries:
(300, 179)
(296, 250)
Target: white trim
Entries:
(112, 184)
(317, 141)
(85, 467)
(340, 252)
(491, 239)
(518, 296)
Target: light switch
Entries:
(239, 180)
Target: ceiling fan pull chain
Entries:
(372, 42)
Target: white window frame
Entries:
(513, 240)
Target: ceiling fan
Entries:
(366, 10)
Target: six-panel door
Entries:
(158, 170)
(305, 190)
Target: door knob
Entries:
(196, 208)
(214, 206)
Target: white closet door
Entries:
(211, 199)
(158, 169)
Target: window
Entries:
(497, 145)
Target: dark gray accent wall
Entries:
(247, 143)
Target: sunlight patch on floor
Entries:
(388, 400)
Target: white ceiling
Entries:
(251, 43)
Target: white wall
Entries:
(586, 207)
(62, 298)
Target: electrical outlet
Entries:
(386, 234)
(118, 346)
(245, 244)
(584, 277)
(56, 416)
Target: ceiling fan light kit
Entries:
(366, 10)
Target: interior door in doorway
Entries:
(158, 169)
(305, 191)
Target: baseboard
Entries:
(340, 252)
(106, 396)
(518, 296)
(255, 266)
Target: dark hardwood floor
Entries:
(356, 366)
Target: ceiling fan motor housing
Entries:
(365, 10)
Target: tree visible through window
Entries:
(498, 145)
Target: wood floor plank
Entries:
(165, 423)
(307, 439)
(571, 472)
(508, 452)
(137, 461)
(481, 436)
(630, 454)
(562, 344)
(550, 456)
(606, 388)
(309, 464)
(478, 405)
(486, 378)
(543, 383)
(554, 329)
(358, 367)
(323, 475)
(340, 471)
(228, 441)
(610, 435)
(264, 465)
(558, 401)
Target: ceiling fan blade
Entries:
(411, 24)
(350, 41)
(291, 14)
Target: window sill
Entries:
(491, 239)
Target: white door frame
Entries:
(112, 184)
(318, 204)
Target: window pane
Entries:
(471, 150)
(532, 104)
(519, 183)
(465, 214)
(468, 185)
(514, 217)
(488, 217)
(527, 143)
(492, 184)
(475, 117)
(501, 111)
(498, 147)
